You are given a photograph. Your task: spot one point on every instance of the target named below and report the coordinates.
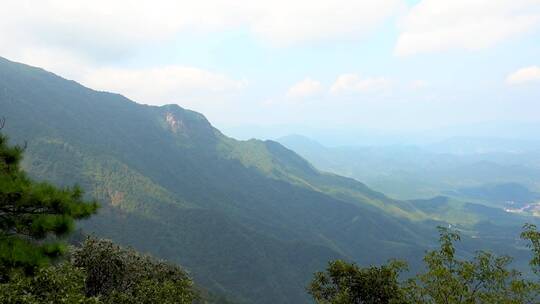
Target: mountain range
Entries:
(449, 167)
(251, 220)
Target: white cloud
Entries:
(104, 28)
(77, 38)
(305, 88)
(284, 22)
(353, 83)
(439, 25)
(56, 60)
(169, 84)
(524, 75)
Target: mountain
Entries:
(408, 172)
(505, 195)
(251, 220)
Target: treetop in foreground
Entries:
(33, 215)
(486, 278)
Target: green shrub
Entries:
(63, 283)
(123, 275)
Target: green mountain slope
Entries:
(409, 172)
(249, 219)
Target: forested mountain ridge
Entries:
(250, 219)
(413, 171)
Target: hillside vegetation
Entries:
(249, 219)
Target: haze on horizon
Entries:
(387, 65)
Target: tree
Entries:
(101, 272)
(345, 283)
(122, 275)
(61, 283)
(33, 215)
(531, 234)
(486, 278)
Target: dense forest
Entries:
(248, 221)
(38, 268)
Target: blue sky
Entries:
(388, 65)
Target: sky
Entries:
(293, 65)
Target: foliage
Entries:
(345, 283)
(32, 213)
(102, 272)
(486, 278)
(63, 283)
(531, 234)
(121, 275)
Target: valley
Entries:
(251, 220)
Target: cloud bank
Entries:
(440, 25)
(103, 28)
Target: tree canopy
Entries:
(447, 279)
(345, 283)
(33, 215)
(123, 275)
(102, 272)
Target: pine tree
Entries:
(33, 215)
